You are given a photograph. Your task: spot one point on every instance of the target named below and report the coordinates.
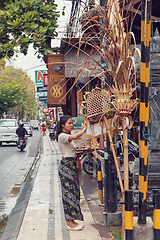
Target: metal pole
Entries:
(57, 114)
(128, 215)
(110, 182)
(110, 172)
(114, 155)
(100, 182)
(144, 108)
(156, 213)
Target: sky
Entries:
(30, 63)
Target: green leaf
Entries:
(26, 16)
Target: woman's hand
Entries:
(78, 134)
(84, 127)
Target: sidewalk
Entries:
(44, 216)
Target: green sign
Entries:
(39, 77)
(77, 122)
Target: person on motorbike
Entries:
(21, 132)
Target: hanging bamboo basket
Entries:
(97, 104)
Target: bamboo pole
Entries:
(114, 155)
(125, 159)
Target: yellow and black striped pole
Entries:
(128, 215)
(144, 108)
(100, 180)
(156, 214)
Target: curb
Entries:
(16, 216)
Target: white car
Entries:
(8, 131)
(34, 124)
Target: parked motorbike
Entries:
(21, 144)
(89, 159)
(52, 133)
(133, 149)
(87, 163)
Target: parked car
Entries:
(27, 126)
(8, 131)
(34, 124)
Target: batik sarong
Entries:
(70, 189)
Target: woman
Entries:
(43, 127)
(68, 172)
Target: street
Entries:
(14, 167)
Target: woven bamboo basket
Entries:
(97, 105)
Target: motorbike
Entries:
(89, 159)
(52, 133)
(21, 144)
(133, 149)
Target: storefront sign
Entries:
(45, 80)
(56, 88)
(41, 89)
(39, 77)
(45, 110)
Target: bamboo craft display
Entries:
(106, 31)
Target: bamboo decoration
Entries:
(106, 32)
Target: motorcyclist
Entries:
(21, 131)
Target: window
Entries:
(26, 124)
(5, 123)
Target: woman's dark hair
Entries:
(62, 121)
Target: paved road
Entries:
(14, 167)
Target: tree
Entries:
(23, 22)
(16, 93)
(9, 96)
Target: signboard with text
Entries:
(41, 89)
(45, 80)
(56, 88)
(45, 110)
(39, 77)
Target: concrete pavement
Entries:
(43, 218)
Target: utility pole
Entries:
(144, 108)
(110, 181)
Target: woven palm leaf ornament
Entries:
(113, 44)
(119, 57)
(97, 104)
